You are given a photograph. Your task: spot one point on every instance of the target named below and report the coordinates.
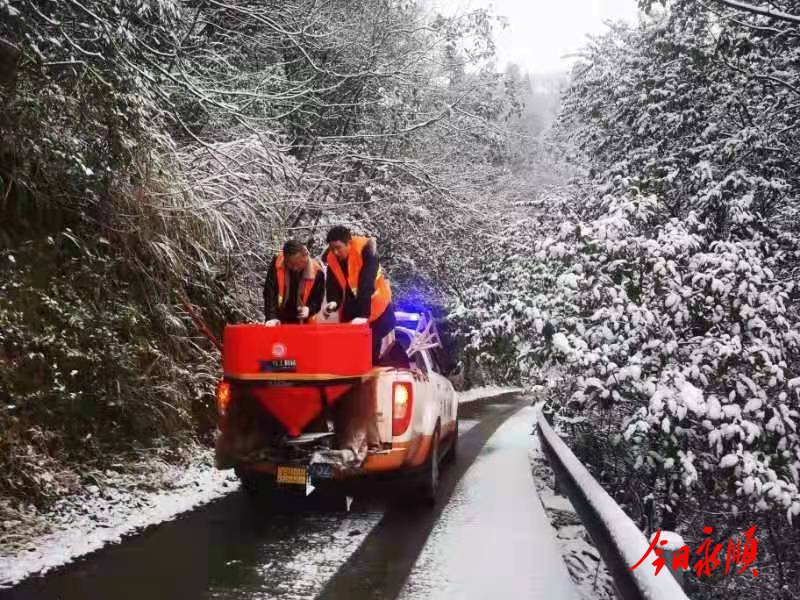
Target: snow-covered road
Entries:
(232, 549)
(493, 539)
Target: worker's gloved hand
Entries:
(303, 312)
(273, 323)
(358, 321)
(330, 307)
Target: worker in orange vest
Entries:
(357, 287)
(295, 286)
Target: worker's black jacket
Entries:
(288, 312)
(352, 306)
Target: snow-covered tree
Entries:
(676, 274)
(156, 150)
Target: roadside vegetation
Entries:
(156, 153)
(669, 269)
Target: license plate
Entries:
(321, 471)
(292, 476)
(283, 365)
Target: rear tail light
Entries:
(402, 403)
(223, 397)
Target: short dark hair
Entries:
(292, 247)
(339, 233)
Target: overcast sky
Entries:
(540, 32)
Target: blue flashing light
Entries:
(416, 301)
(407, 317)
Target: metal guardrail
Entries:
(620, 542)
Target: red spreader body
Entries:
(302, 364)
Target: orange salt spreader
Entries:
(302, 367)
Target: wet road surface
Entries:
(234, 549)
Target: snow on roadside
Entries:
(485, 392)
(626, 536)
(120, 505)
(584, 564)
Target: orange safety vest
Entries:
(308, 283)
(382, 296)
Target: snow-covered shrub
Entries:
(501, 313)
(677, 292)
(692, 344)
(81, 371)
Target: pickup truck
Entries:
(302, 405)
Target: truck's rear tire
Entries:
(452, 451)
(254, 483)
(430, 472)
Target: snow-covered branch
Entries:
(761, 10)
